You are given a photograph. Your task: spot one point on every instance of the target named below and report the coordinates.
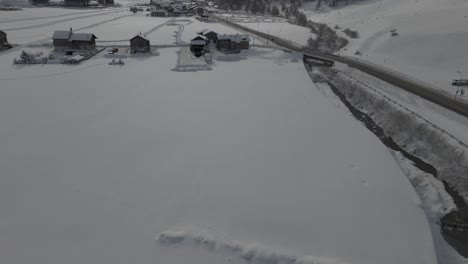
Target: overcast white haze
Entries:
(169, 160)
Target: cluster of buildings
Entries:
(74, 3)
(76, 41)
(84, 3)
(226, 43)
(175, 9)
(71, 41)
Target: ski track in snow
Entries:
(62, 20)
(250, 253)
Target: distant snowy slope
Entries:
(14, 2)
(432, 39)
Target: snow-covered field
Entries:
(247, 163)
(126, 28)
(20, 32)
(431, 42)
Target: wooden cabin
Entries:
(139, 44)
(232, 42)
(210, 35)
(77, 3)
(3, 38)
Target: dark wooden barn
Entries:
(106, 2)
(77, 3)
(69, 39)
(232, 43)
(39, 2)
(60, 39)
(198, 45)
(3, 38)
(85, 41)
(139, 44)
(210, 35)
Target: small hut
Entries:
(140, 44)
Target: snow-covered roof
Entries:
(198, 42)
(235, 38)
(140, 36)
(199, 37)
(61, 34)
(206, 32)
(81, 37)
(71, 36)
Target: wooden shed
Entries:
(198, 43)
(210, 35)
(60, 39)
(233, 43)
(139, 44)
(3, 38)
(83, 41)
(69, 39)
(77, 3)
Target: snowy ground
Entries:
(246, 163)
(20, 32)
(96, 164)
(431, 42)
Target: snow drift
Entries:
(250, 253)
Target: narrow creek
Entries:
(456, 238)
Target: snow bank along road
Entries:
(390, 76)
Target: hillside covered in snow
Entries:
(426, 39)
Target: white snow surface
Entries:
(431, 42)
(98, 161)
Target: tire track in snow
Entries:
(48, 38)
(61, 21)
(144, 33)
(38, 18)
(54, 74)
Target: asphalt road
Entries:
(412, 86)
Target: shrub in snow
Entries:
(117, 62)
(327, 40)
(351, 33)
(31, 58)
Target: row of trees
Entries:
(262, 7)
(335, 3)
(326, 39)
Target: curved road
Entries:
(412, 86)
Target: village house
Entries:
(39, 2)
(106, 2)
(210, 35)
(139, 44)
(69, 39)
(3, 39)
(233, 43)
(173, 11)
(158, 13)
(198, 45)
(77, 3)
